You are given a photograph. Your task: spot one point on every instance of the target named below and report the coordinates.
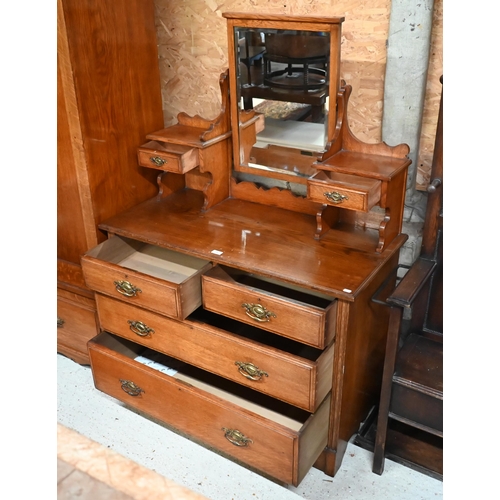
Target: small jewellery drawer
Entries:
(169, 157)
(345, 191)
(277, 307)
(145, 275)
(261, 432)
(295, 373)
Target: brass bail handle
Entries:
(140, 328)
(250, 371)
(126, 288)
(258, 312)
(130, 388)
(236, 437)
(156, 160)
(335, 197)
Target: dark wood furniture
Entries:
(242, 316)
(412, 388)
(108, 98)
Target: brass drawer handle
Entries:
(130, 388)
(335, 197)
(126, 288)
(250, 371)
(156, 160)
(140, 328)
(258, 312)
(236, 437)
(60, 322)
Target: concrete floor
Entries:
(147, 443)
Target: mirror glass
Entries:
(282, 84)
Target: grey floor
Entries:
(107, 421)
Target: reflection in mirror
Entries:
(283, 84)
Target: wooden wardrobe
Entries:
(108, 98)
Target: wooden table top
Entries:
(260, 239)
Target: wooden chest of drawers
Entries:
(240, 313)
(248, 380)
(268, 389)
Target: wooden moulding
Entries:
(275, 196)
(199, 153)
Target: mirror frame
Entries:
(239, 20)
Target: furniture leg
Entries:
(385, 398)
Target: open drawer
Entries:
(274, 306)
(168, 157)
(145, 275)
(343, 190)
(273, 437)
(282, 368)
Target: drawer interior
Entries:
(255, 334)
(166, 147)
(260, 404)
(287, 290)
(148, 259)
(346, 181)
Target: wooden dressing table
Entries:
(238, 311)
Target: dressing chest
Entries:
(235, 305)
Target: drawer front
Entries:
(76, 325)
(151, 277)
(302, 322)
(132, 287)
(170, 158)
(291, 378)
(214, 419)
(344, 191)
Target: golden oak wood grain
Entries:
(313, 268)
(294, 372)
(260, 239)
(161, 280)
(300, 316)
(169, 157)
(276, 441)
(356, 193)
